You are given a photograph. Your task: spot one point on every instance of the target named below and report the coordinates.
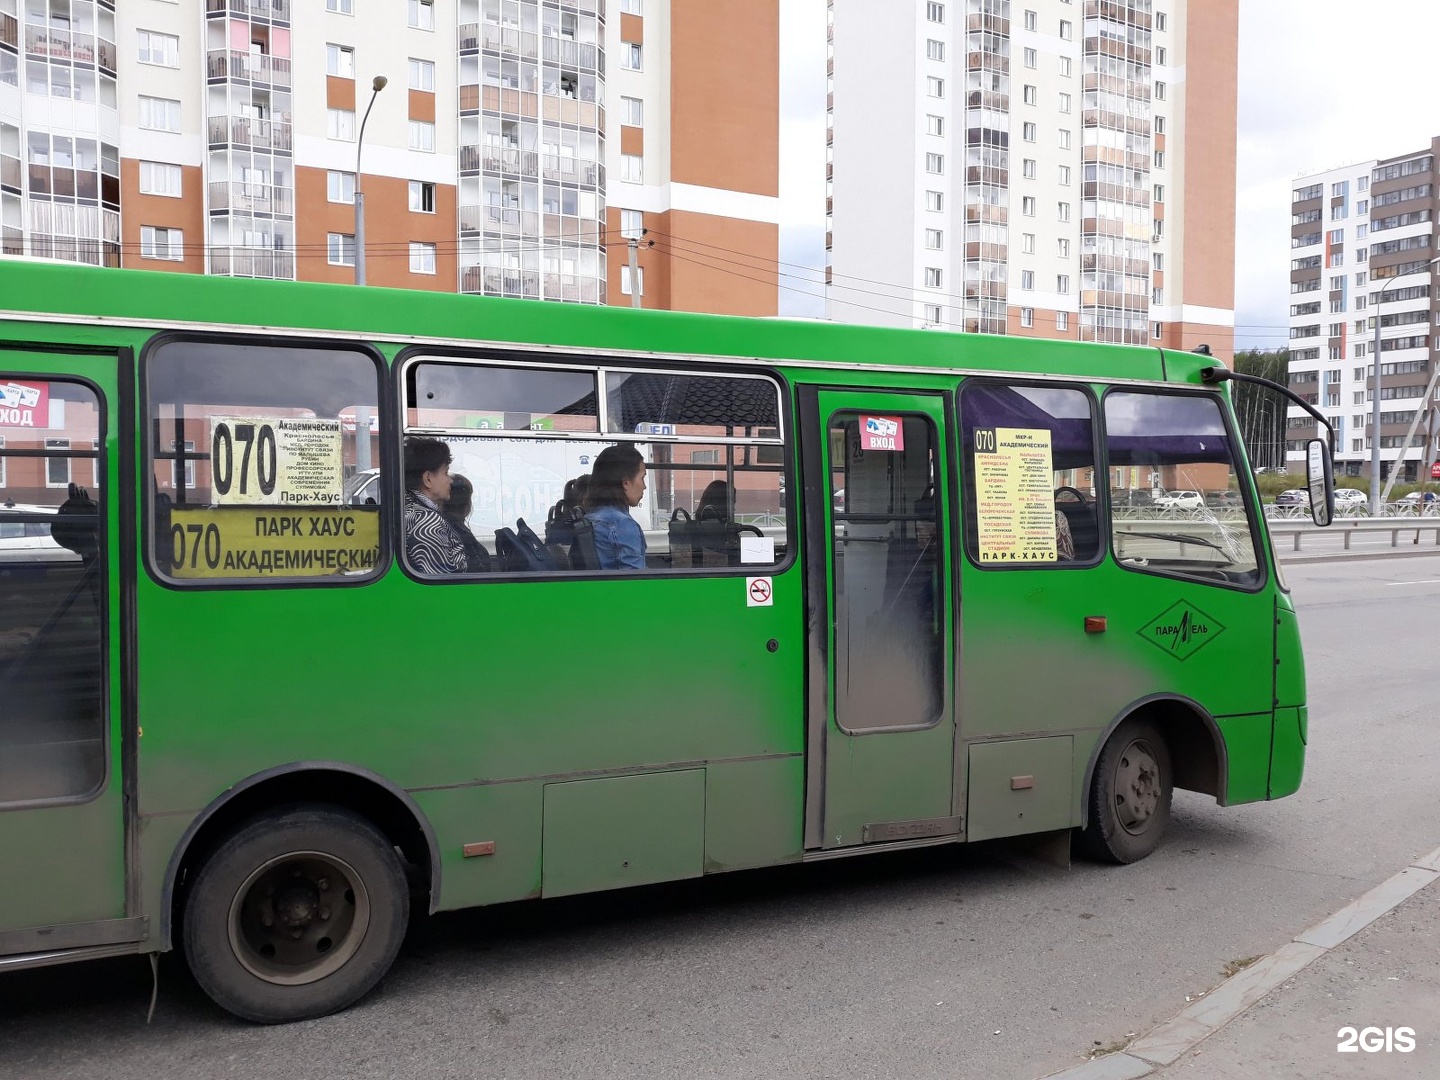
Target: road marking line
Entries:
(1426, 581)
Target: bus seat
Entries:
(1084, 528)
(582, 551)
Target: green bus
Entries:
(897, 589)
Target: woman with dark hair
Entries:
(456, 511)
(617, 482)
(431, 545)
(714, 502)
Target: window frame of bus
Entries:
(967, 474)
(100, 455)
(1247, 501)
(150, 456)
(599, 366)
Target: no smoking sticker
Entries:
(758, 592)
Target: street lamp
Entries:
(375, 87)
(1375, 497)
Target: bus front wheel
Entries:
(296, 914)
(1129, 794)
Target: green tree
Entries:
(1261, 412)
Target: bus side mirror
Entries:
(1319, 481)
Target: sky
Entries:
(1322, 83)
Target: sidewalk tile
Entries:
(1110, 1067)
(1354, 917)
(1168, 1041)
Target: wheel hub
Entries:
(1137, 786)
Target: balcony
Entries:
(249, 131)
(251, 198)
(500, 161)
(1116, 11)
(11, 172)
(274, 10)
(12, 241)
(248, 67)
(9, 30)
(570, 170)
(987, 21)
(499, 220)
(567, 110)
(253, 262)
(572, 288)
(987, 174)
(585, 7)
(493, 281)
(569, 53)
(507, 100)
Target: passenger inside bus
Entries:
(456, 511)
(716, 502)
(617, 483)
(432, 547)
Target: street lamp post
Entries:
(1375, 496)
(375, 87)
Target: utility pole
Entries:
(634, 272)
(376, 86)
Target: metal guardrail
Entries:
(1348, 527)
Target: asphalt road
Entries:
(940, 963)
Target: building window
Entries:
(934, 239)
(1062, 320)
(934, 279)
(632, 7)
(57, 469)
(1032, 20)
(934, 314)
(1159, 228)
(1029, 94)
(1159, 125)
(935, 12)
(1064, 138)
(934, 125)
(157, 243)
(1159, 194)
(632, 56)
(422, 74)
(340, 248)
(626, 287)
(1064, 103)
(340, 61)
(632, 112)
(1027, 168)
(189, 472)
(934, 50)
(160, 49)
(422, 197)
(935, 201)
(157, 178)
(935, 87)
(1064, 176)
(421, 14)
(1027, 205)
(935, 163)
(1027, 316)
(1062, 247)
(1157, 331)
(632, 168)
(632, 224)
(1027, 243)
(422, 136)
(1063, 209)
(1158, 260)
(1027, 132)
(1065, 67)
(340, 7)
(1062, 284)
(1065, 30)
(339, 186)
(1157, 296)
(1159, 159)
(159, 114)
(422, 257)
(1027, 280)
(1162, 21)
(1160, 56)
(1159, 91)
(340, 124)
(1031, 58)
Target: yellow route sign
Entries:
(270, 542)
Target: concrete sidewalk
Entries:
(1373, 964)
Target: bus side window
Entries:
(1029, 475)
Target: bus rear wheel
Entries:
(1129, 794)
(296, 914)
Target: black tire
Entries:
(296, 914)
(1129, 801)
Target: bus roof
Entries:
(71, 292)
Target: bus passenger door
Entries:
(880, 726)
(62, 825)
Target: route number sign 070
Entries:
(276, 461)
(259, 460)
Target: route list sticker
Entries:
(275, 461)
(1014, 495)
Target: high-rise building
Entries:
(1362, 241)
(501, 154)
(1035, 167)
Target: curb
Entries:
(1169, 1041)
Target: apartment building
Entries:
(496, 153)
(1363, 241)
(1052, 168)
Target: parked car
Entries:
(25, 535)
(1131, 497)
(1416, 497)
(1350, 497)
(1223, 499)
(1293, 497)
(1180, 500)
